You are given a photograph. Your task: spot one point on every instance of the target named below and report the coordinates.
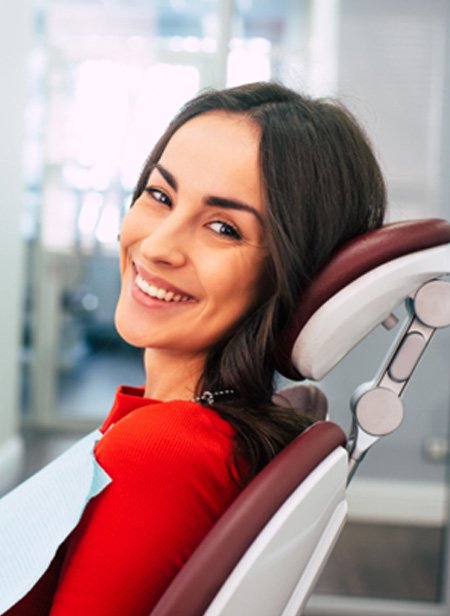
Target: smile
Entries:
(160, 293)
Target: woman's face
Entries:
(193, 244)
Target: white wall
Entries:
(15, 18)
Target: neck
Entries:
(171, 376)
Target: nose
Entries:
(168, 242)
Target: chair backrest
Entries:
(204, 574)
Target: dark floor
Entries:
(384, 561)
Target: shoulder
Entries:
(179, 419)
(178, 433)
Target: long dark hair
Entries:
(322, 186)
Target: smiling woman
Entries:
(193, 250)
(240, 203)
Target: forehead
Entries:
(218, 137)
(237, 125)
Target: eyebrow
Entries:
(170, 179)
(223, 202)
(233, 204)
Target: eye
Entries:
(159, 195)
(226, 229)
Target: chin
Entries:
(122, 325)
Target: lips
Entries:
(159, 289)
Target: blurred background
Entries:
(87, 87)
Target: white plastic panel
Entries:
(353, 312)
(285, 560)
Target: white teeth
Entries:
(152, 291)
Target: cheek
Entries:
(236, 286)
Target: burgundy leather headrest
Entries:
(352, 260)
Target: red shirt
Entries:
(171, 466)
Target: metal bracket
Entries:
(376, 406)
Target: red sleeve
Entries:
(170, 465)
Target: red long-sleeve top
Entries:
(172, 477)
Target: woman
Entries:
(241, 202)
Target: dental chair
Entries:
(265, 554)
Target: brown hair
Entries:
(322, 187)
